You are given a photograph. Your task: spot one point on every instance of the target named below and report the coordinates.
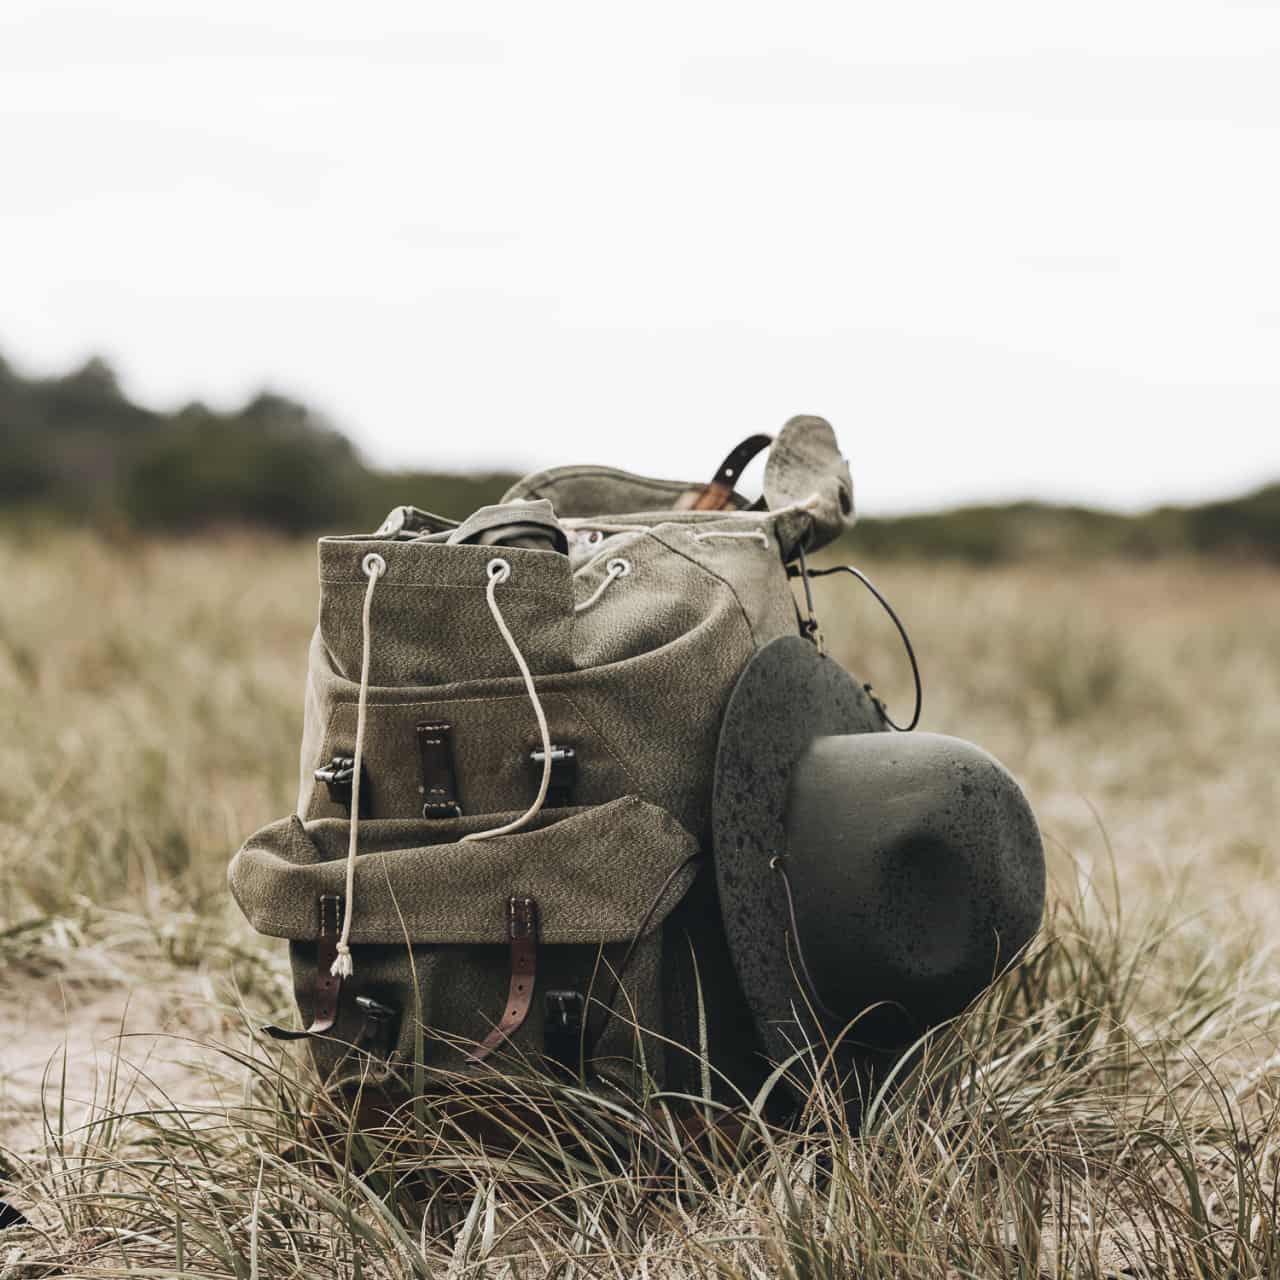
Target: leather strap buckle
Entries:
(338, 776)
(328, 988)
(564, 774)
(562, 1030)
(377, 1035)
(439, 784)
(522, 933)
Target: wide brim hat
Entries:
(871, 883)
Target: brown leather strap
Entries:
(324, 1002)
(439, 785)
(717, 495)
(522, 931)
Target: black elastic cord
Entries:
(902, 631)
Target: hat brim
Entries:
(788, 695)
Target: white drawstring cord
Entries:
(588, 525)
(618, 568)
(758, 534)
(374, 566)
(499, 572)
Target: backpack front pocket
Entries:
(563, 918)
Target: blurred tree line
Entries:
(1247, 527)
(76, 447)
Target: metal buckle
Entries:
(562, 1027)
(338, 776)
(380, 1021)
(564, 774)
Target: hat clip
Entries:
(809, 629)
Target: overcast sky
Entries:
(1007, 248)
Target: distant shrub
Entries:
(24, 475)
(271, 464)
(1249, 525)
(78, 448)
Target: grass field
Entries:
(1109, 1111)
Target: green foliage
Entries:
(269, 463)
(1243, 525)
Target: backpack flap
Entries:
(441, 927)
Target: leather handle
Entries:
(716, 496)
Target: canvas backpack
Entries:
(501, 853)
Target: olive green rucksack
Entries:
(501, 851)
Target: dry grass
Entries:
(1110, 1111)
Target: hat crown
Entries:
(916, 867)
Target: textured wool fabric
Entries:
(635, 639)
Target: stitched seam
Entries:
(608, 746)
(711, 573)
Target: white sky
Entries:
(1008, 248)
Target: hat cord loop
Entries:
(777, 864)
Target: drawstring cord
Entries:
(499, 572)
(758, 534)
(617, 568)
(778, 865)
(374, 566)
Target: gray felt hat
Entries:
(908, 866)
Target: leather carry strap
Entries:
(324, 1004)
(439, 783)
(716, 496)
(522, 931)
